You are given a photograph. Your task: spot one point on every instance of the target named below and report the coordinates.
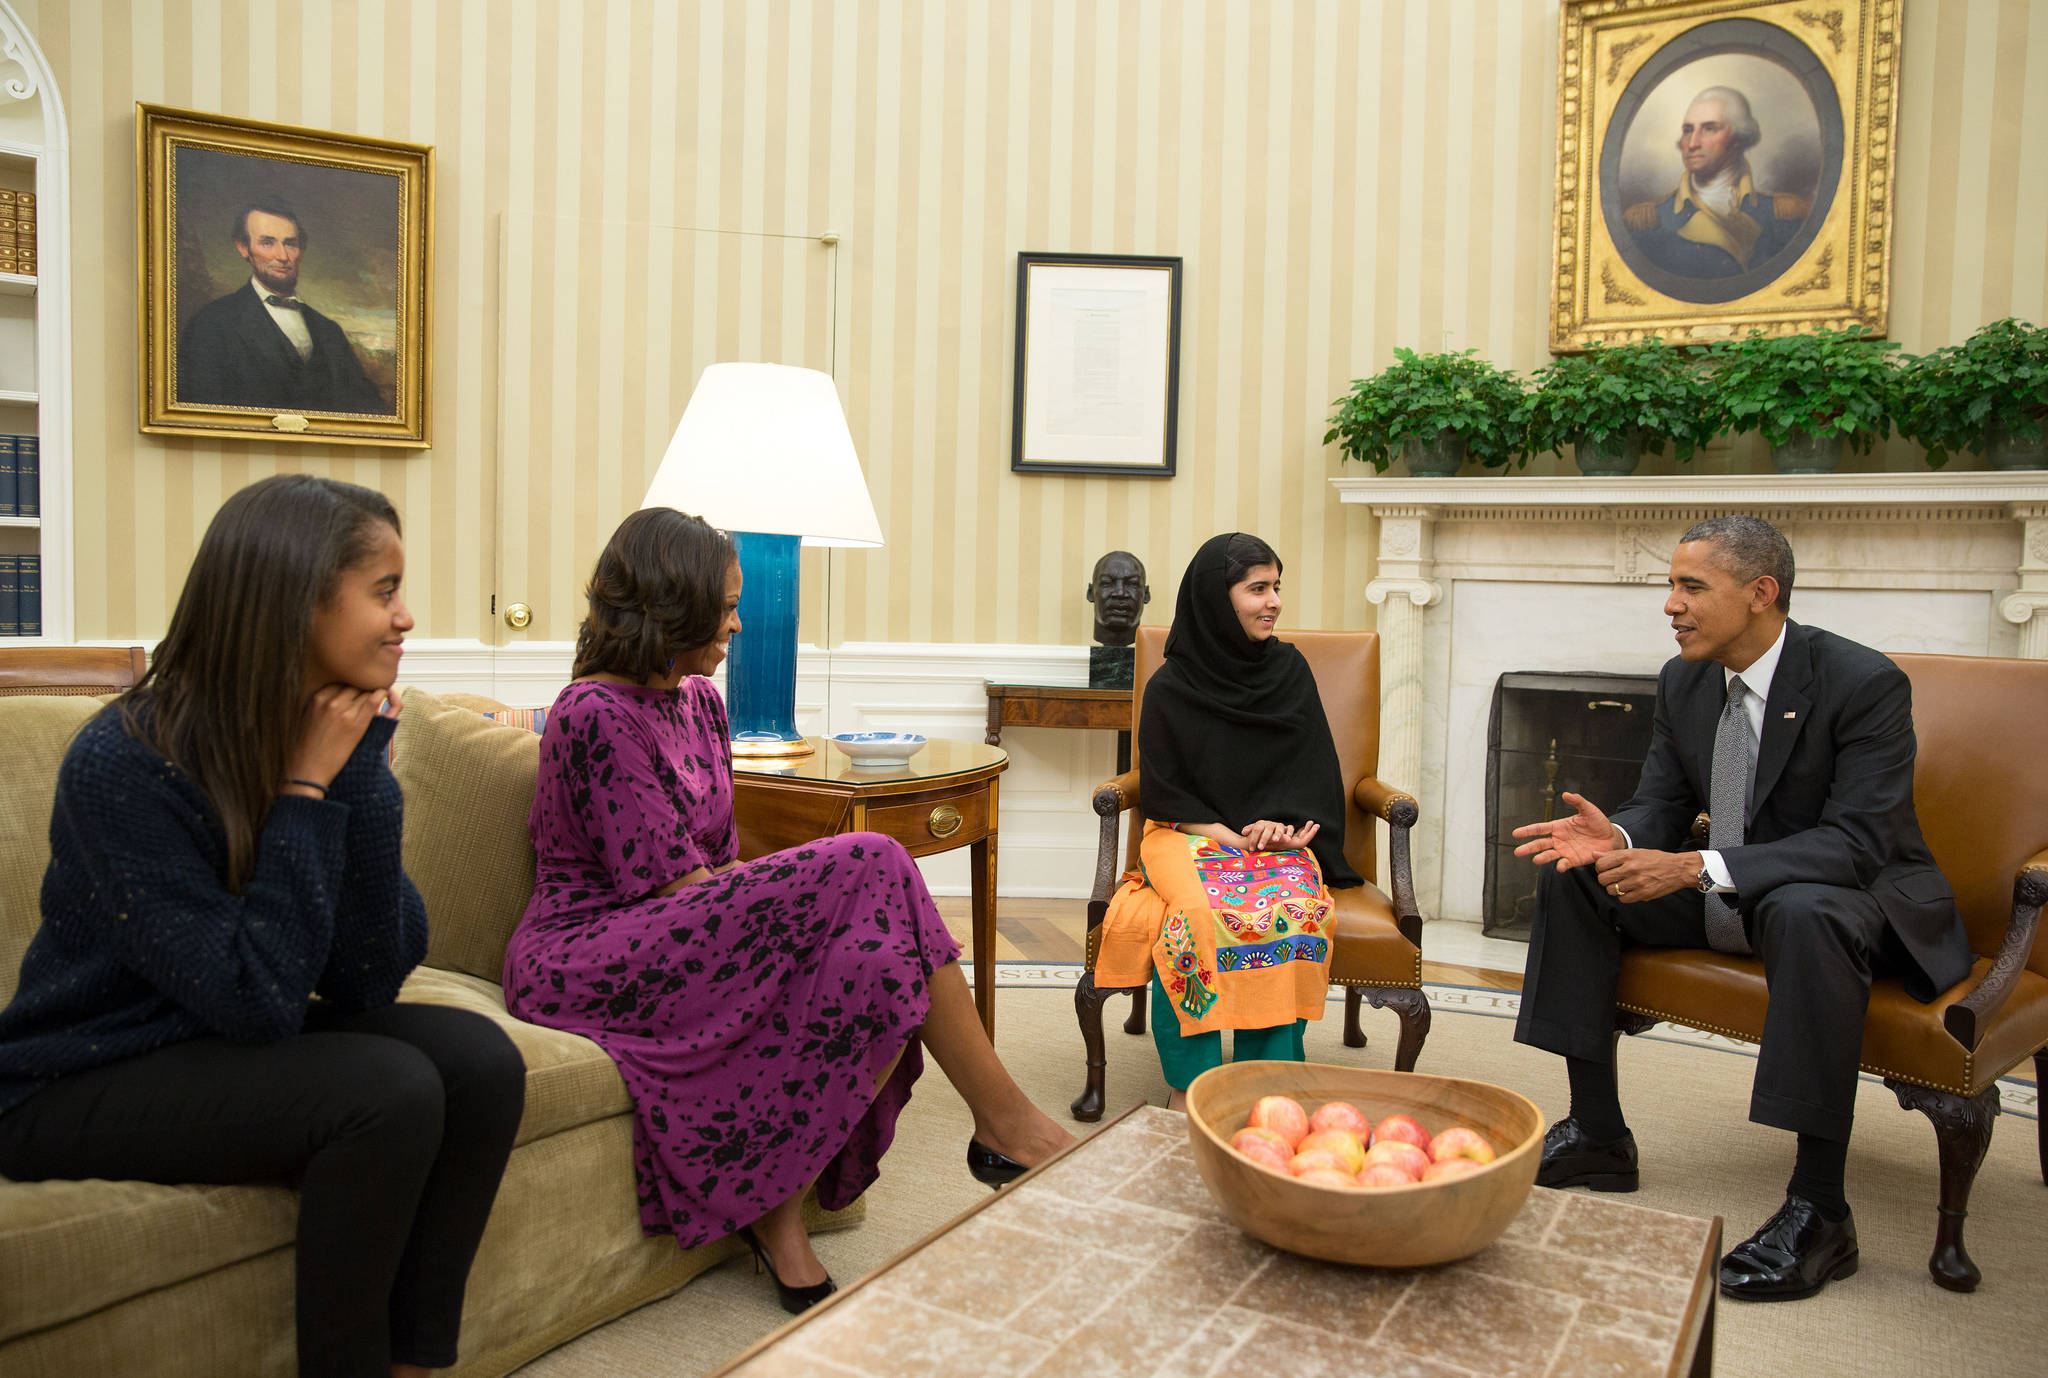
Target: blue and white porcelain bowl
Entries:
(879, 750)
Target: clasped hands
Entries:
(1584, 837)
(1262, 836)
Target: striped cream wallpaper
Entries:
(629, 189)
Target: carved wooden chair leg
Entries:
(1088, 1011)
(1354, 1001)
(1411, 1006)
(1962, 1132)
(2040, 1080)
(1134, 1023)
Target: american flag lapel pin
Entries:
(1791, 715)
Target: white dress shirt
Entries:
(1756, 690)
(289, 321)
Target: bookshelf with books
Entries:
(36, 597)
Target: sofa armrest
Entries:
(1965, 1019)
(1399, 810)
(1112, 797)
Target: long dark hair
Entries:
(224, 698)
(659, 589)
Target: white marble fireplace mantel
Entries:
(1480, 576)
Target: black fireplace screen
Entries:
(1548, 733)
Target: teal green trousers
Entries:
(1184, 1057)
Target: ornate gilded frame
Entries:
(367, 268)
(1612, 281)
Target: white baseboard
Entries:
(1047, 832)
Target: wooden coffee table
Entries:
(1111, 1259)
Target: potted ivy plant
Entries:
(1613, 403)
(1436, 409)
(1988, 395)
(1809, 394)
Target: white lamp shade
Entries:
(765, 448)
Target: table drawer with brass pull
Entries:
(929, 826)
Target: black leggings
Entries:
(395, 1125)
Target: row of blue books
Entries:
(21, 595)
(21, 477)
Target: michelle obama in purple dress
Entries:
(768, 1017)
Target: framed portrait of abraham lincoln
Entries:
(1723, 166)
(284, 278)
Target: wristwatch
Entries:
(1706, 881)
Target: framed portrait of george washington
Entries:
(1723, 166)
(284, 280)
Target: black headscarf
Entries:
(1232, 730)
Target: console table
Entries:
(945, 798)
(1061, 705)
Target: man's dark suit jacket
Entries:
(233, 354)
(1833, 799)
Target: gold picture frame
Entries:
(237, 217)
(1709, 242)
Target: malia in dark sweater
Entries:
(212, 995)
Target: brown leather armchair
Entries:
(1981, 791)
(1376, 952)
(69, 669)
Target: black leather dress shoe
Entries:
(991, 1168)
(1795, 1254)
(1571, 1159)
(795, 1300)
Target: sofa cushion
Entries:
(35, 732)
(468, 785)
(68, 1249)
(569, 1079)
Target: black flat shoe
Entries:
(1571, 1159)
(795, 1300)
(991, 1168)
(1796, 1253)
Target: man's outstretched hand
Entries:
(1580, 838)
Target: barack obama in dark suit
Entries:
(260, 346)
(1807, 738)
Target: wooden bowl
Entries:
(1397, 1227)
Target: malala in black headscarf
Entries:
(1232, 729)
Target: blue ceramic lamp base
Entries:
(760, 678)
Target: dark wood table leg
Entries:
(1123, 752)
(994, 736)
(981, 860)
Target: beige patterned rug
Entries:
(1686, 1098)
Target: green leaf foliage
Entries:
(1609, 391)
(1423, 394)
(1999, 376)
(1825, 382)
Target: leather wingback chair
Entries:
(1981, 791)
(69, 669)
(1376, 949)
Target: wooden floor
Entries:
(1040, 930)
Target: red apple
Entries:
(1329, 1177)
(1312, 1160)
(1343, 1144)
(1341, 1114)
(1281, 1114)
(1404, 1156)
(1382, 1175)
(1450, 1167)
(1460, 1142)
(1402, 1129)
(1263, 1147)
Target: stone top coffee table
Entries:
(1112, 1260)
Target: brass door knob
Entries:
(518, 616)
(944, 822)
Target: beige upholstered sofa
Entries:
(130, 1279)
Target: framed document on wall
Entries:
(1098, 365)
(285, 277)
(1723, 167)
